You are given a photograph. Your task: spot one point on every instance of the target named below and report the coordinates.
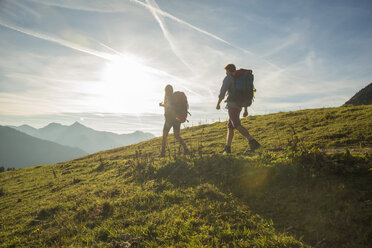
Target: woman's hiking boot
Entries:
(187, 152)
(226, 150)
(254, 145)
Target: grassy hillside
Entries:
(304, 188)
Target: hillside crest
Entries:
(362, 97)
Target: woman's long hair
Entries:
(168, 92)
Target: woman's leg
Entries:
(177, 131)
(182, 142)
(166, 129)
(163, 143)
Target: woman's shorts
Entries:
(169, 123)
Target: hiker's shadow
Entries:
(293, 199)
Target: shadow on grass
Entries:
(319, 203)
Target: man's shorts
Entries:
(234, 117)
(169, 123)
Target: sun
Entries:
(121, 69)
(128, 85)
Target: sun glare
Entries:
(122, 69)
(128, 86)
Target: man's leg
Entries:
(235, 120)
(230, 136)
(253, 144)
(242, 130)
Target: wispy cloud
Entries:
(288, 42)
(103, 55)
(27, 9)
(154, 8)
(56, 40)
(166, 14)
(166, 33)
(117, 7)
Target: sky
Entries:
(105, 63)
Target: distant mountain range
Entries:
(85, 138)
(363, 97)
(18, 150)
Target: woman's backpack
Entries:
(180, 106)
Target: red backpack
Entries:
(180, 106)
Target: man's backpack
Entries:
(180, 106)
(243, 88)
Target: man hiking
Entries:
(175, 112)
(239, 85)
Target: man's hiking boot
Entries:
(254, 145)
(226, 150)
(162, 155)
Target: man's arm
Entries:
(225, 86)
(218, 103)
(245, 114)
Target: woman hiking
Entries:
(171, 121)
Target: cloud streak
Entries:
(27, 9)
(166, 33)
(156, 10)
(93, 6)
(76, 47)
(58, 41)
(174, 18)
(118, 9)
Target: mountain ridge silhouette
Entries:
(83, 137)
(18, 150)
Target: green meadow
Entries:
(309, 186)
